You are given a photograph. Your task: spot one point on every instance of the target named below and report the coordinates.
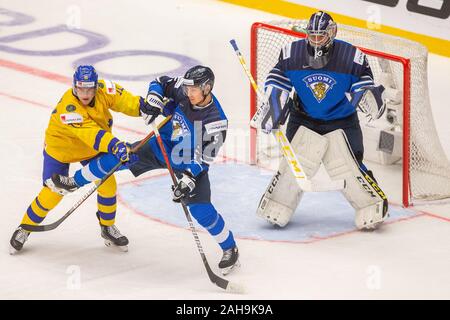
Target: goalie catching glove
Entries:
(369, 100)
(184, 187)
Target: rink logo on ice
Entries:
(70, 118)
(179, 127)
(319, 84)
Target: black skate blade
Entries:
(13, 251)
(49, 183)
(110, 244)
(228, 270)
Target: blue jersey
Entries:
(194, 135)
(321, 92)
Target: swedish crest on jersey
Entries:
(319, 84)
(70, 108)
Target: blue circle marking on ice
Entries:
(236, 191)
(182, 60)
(16, 18)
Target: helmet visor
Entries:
(192, 89)
(190, 85)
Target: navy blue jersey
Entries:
(321, 92)
(194, 135)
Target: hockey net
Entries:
(425, 167)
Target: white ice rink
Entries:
(320, 256)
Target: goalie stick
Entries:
(286, 148)
(54, 225)
(218, 281)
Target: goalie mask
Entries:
(321, 31)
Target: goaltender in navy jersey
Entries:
(321, 92)
(193, 136)
(321, 82)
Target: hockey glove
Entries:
(122, 151)
(277, 109)
(152, 107)
(370, 101)
(270, 122)
(183, 188)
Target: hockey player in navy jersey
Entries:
(321, 82)
(193, 131)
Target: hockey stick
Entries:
(54, 225)
(218, 281)
(286, 148)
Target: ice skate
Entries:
(61, 184)
(113, 238)
(229, 261)
(17, 240)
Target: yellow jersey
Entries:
(76, 132)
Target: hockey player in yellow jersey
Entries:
(79, 130)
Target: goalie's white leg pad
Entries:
(360, 190)
(282, 196)
(310, 148)
(371, 217)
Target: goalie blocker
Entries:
(283, 195)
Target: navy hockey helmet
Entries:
(85, 77)
(321, 31)
(200, 76)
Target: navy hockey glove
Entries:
(183, 188)
(152, 107)
(122, 151)
(270, 122)
(277, 109)
(370, 101)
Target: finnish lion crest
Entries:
(319, 84)
(319, 90)
(179, 127)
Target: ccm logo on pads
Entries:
(69, 118)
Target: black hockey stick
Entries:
(54, 225)
(218, 281)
